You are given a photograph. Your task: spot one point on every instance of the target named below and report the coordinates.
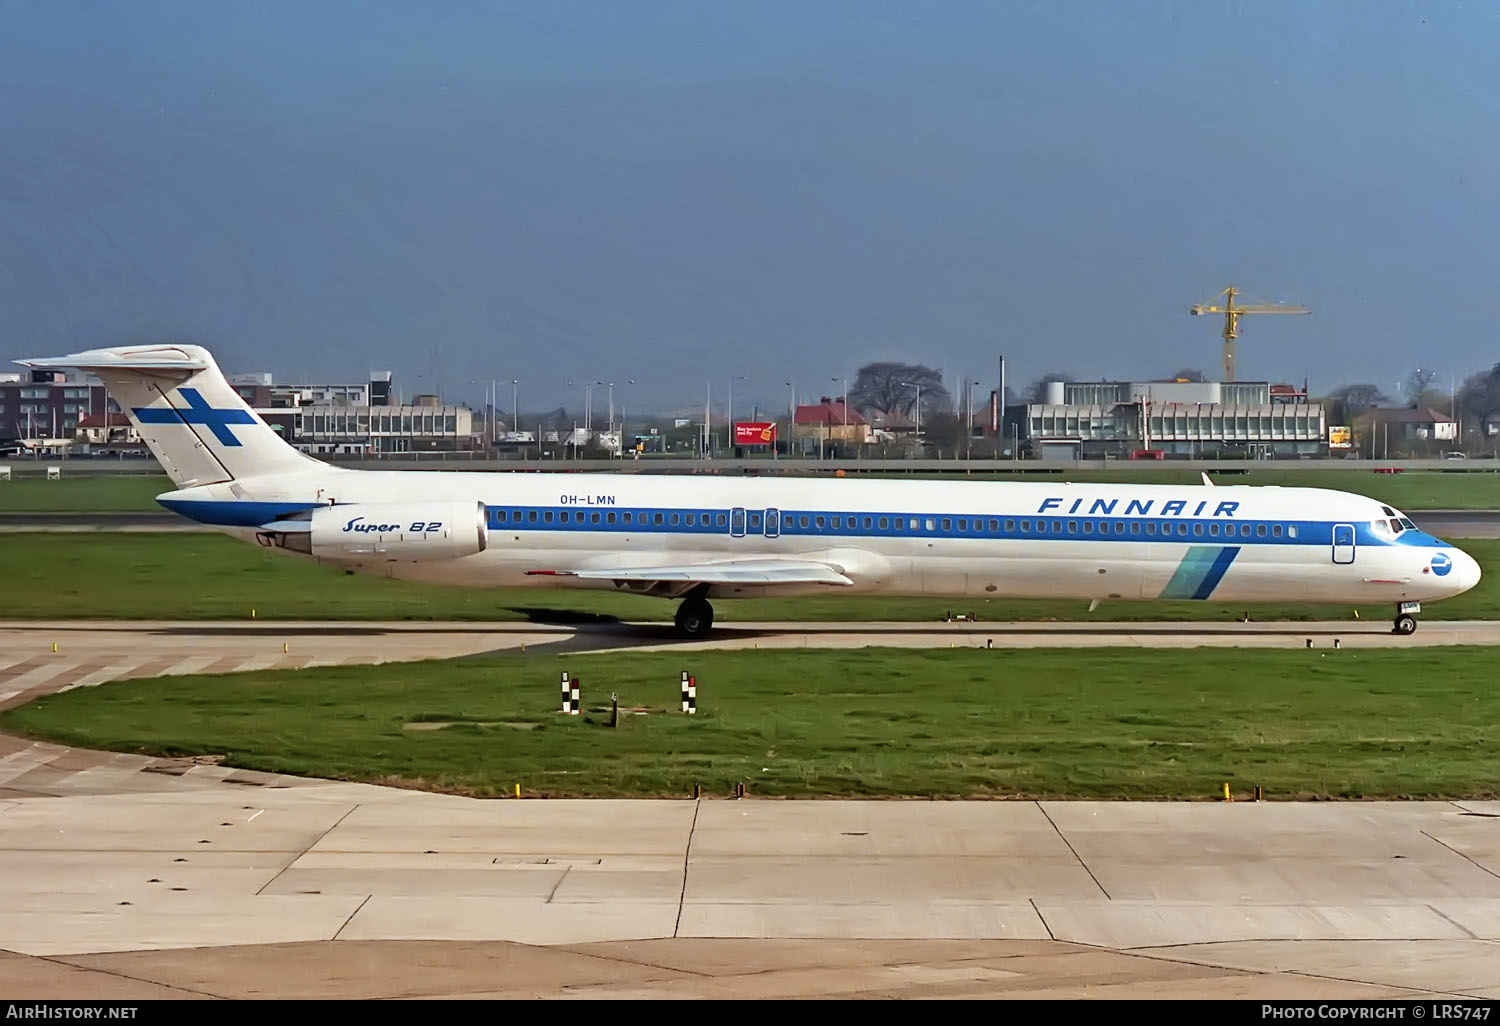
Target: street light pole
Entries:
(791, 418)
(969, 423)
(729, 412)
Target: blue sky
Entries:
(685, 192)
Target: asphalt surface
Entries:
(129, 876)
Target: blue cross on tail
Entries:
(198, 412)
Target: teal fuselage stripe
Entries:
(1200, 572)
(1216, 572)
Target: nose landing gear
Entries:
(1405, 622)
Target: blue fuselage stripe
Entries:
(703, 521)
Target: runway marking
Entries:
(34, 678)
(192, 664)
(257, 663)
(110, 672)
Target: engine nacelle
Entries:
(396, 531)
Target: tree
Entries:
(1036, 392)
(1190, 374)
(1417, 384)
(1480, 393)
(1352, 400)
(891, 390)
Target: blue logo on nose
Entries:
(1441, 564)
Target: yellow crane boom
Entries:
(1232, 314)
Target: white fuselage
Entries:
(901, 537)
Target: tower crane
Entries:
(1232, 315)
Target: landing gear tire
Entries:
(695, 618)
(1405, 624)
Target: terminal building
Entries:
(48, 406)
(354, 419)
(1165, 419)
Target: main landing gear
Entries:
(695, 617)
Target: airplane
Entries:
(693, 539)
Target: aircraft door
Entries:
(773, 523)
(1343, 543)
(737, 522)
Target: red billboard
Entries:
(755, 433)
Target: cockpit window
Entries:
(1396, 527)
(1380, 527)
(1388, 511)
(1408, 524)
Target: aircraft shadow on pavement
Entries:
(568, 617)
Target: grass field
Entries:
(1121, 723)
(212, 577)
(98, 494)
(1408, 491)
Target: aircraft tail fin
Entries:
(199, 428)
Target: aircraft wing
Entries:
(740, 571)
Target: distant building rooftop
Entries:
(1423, 415)
(829, 412)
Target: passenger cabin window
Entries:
(720, 520)
(1151, 527)
(1119, 527)
(1291, 530)
(1041, 527)
(1213, 529)
(947, 524)
(1198, 529)
(1072, 527)
(657, 519)
(1088, 527)
(1010, 525)
(547, 517)
(593, 518)
(531, 516)
(1135, 527)
(819, 522)
(611, 518)
(1260, 530)
(802, 521)
(1276, 530)
(884, 523)
(838, 522)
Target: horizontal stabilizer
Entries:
(129, 358)
(746, 571)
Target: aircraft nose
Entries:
(1465, 570)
